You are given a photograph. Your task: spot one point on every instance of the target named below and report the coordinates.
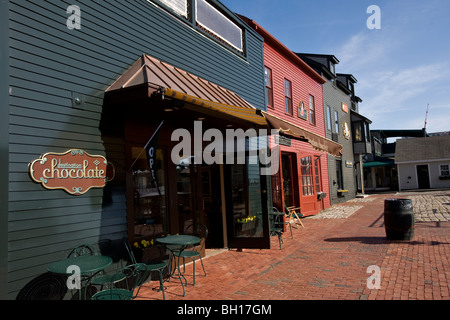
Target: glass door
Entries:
(247, 216)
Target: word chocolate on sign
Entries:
(74, 171)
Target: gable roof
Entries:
(422, 149)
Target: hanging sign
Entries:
(74, 171)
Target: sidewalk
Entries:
(328, 260)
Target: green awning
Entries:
(375, 164)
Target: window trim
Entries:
(329, 119)
(213, 33)
(312, 110)
(269, 88)
(288, 99)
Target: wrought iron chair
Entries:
(126, 283)
(153, 266)
(83, 250)
(194, 253)
(277, 224)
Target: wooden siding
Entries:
(49, 65)
(302, 87)
(333, 97)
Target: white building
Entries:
(423, 163)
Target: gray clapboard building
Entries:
(57, 62)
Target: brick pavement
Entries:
(328, 260)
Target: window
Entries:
(357, 132)
(329, 118)
(213, 21)
(147, 216)
(445, 170)
(312, 110)
(367, 132)
(318, 175)
(288, 96)
(306, 165)
(269, 88)
(180, 7)
(332, 68)
(336, 121)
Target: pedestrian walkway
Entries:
(329, 259)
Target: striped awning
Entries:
(198, 94)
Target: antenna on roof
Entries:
(426, 117)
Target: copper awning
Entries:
(199, 94)
(206, 97)
(296, 132)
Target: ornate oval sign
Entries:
(74, 171)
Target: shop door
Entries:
(423, 177)
(308, 201)
(212, 205)
(290, 180)
(246, 207)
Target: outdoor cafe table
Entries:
(179, 243)
(88, 265)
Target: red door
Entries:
(308, 196)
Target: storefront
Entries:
(193, 180)
(61, 65)
(301, 180)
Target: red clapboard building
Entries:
(294, 98)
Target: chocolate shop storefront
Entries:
(97, 85)
(196, 178)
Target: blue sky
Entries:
(400, 68)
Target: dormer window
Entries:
(332, 68)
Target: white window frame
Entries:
(241, 49)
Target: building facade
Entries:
(423, 163)
(100, 78)
(294, 95)
(340, 102)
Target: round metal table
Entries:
(88, 267)
(181, 241)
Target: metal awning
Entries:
(204, 96)
(199, 94)
(296, 132)
(376, 164)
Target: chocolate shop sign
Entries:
(74, 171)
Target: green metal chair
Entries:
(126, 283)
(150, 267)
(82, 250)
(277, 224)
(194, 253)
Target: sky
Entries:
(402, 68)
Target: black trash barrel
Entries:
(399, 219)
